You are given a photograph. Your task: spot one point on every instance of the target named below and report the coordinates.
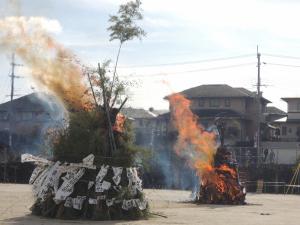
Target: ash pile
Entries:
(84, 191)
(221, 184)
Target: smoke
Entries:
(15, 7)
(53, 68)
(194, 144)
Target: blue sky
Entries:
(177, 31)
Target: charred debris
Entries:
(222, 185)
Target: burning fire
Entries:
(53, 67)
(194, 143)
(119, 123)
(219, 182)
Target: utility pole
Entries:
(12, 76)
(12, 94)
(259, 106)
(10, 114)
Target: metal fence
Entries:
(272, 187)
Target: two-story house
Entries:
(286, 145)
(237, 107)
(27, 119)
(290, 128)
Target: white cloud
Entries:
(158, 22)
(50, 25)
(279, 18)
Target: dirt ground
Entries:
(262, 209)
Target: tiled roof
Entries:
(141, 113)
(218, 90)
(274, 110)
(213, 90)
(32, 102)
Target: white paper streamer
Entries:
(110, 202)
(101, 197)
(90, 184)
(102, 173)
(68, 202)
(78, 202)
(39, 181)
(101, 187)
(135, 183)
(75, 203)
(117, 174)
(51, 178)
(67, 186)
(99, 178)
(36, 172)
(93, 201)
(31, 158)
(141, 204)
(128, 204)
(87, 162)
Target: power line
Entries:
(282, 56)
(188, 62)
(279, 64)
(192, 71)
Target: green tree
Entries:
(90, 131)
(124, 28)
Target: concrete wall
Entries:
(285, 152)
(291, 131)
(294, 105)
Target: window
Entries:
(3, 115)
(227, 102)
(24, 116)
(214, 103)
(290, 130)
(201, 102)
(283, 130)
(141, 123)
(298, 106)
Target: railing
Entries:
(273, 187)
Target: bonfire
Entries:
(92, 173)
(218, 174)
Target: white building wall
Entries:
(285, 152)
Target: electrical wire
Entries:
(281, 56)
(285, 65)
(191, 71)
(188, 62)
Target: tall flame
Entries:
(193, 143)
(53, 67)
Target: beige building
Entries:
(289, 129)
(238, 108)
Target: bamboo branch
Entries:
(115, 71)
(93, 92)
(106, 109)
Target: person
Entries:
(272, 156)
(266, 152)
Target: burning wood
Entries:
(220, 184)
(217, 173)
(119, 123)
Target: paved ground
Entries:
(262, 209)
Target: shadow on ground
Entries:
(35, 220)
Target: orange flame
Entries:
(199, 147)
(193, 142)
(53, 67)
(119, 124)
